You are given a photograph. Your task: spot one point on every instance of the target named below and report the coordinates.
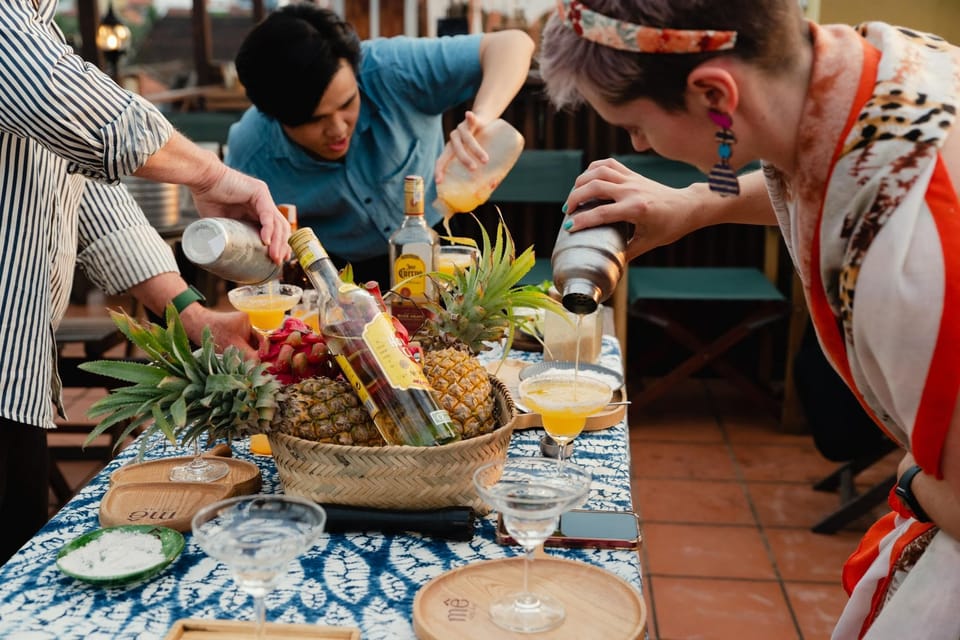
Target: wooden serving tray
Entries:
(242, 479)
(191, 629)
(598, 603)
(142, 493)
(168, 504)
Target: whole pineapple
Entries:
(325, 410)
(476, 306)
(184, 394)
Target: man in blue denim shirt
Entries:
(337, 124)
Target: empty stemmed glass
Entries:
(530, 494)
(199, 469)
(256, 536)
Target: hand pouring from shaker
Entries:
(587, 264)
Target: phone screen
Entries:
(586, 528)
(598, 525)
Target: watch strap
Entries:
(904, 491)
(182, 300)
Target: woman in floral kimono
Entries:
(855, 128)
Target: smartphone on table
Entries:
(580, 528)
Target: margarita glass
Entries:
(564, 402)
(530, 494)
(256, 536)
(265, 304)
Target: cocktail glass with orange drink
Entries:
(456, 257)
(265, 304)
(564, 403)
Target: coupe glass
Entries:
(199, 469)
(256, 536)
(266, 303)
(457, 257)
(564, 402)
(530, 494)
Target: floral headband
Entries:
(627, 36)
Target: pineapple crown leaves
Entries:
(478, 303)
(182, 393)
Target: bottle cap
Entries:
(413, 195)
(289, 212)
(301, 238)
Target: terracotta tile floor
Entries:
(726, 503)
(726, 506)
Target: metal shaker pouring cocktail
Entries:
(587, 264)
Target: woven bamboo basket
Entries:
(394, 477)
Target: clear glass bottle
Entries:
(464, 190)
(381, 369)
(414, 251)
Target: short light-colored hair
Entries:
(769, 35)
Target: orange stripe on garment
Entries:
(943, 377)
(913, 532)
(867, 551)
(820, 312)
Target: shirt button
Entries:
(367, 200)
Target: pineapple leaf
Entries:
(161, 421)
(178, 412)
(135, 372)
(223, 383)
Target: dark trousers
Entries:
(24, 488)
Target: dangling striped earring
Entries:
(722, 178)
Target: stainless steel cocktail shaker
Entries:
(587, 264)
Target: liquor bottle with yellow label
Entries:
(379, 366)
(414, 250)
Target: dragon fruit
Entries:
(296, 352)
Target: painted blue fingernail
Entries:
(567, 225)
(563, 209)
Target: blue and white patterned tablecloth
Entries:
(358, 580)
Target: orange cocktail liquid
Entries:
(310, 318)
(565, 404)
(449, 262)
(265, 311)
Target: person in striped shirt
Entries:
(67, 135)
(857, 132)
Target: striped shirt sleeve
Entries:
(118, 247)
(51, 95)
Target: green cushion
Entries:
(669, 172)
(204, 126)
(542, 270)
(545, 176)
(700, 283)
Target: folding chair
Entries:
(842, 432)
(652, 290)
(546, 177)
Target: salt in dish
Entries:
(119, 555)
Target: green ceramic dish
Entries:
(171, 544)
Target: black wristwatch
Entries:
(182, 300)
(905, 493)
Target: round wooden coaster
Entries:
(598, 603)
